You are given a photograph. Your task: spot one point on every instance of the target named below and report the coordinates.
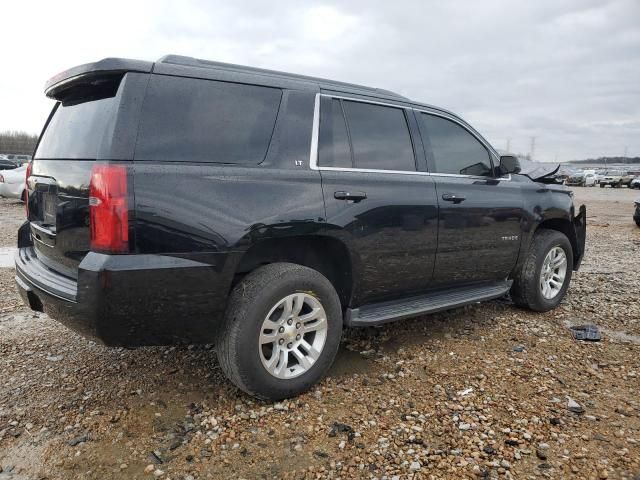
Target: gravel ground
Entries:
(482, 391)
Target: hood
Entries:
(538, 171)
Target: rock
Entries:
(158, 473)
(368, 353)
(149, 468)
(574, 406)
(518, 348)
(415, 466)
(464, 426)
(541, 453)
(603, 474)
(55, 358)
(341, 428)
(77, 440)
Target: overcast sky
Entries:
(566, 72)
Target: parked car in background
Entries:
(18, 159)
(6, 164)
(636, 214)
(582, 179)
(627, 178)
(613, 178)
(264, 211)
(635, 183)
(12, 183)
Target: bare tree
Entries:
(22, 143)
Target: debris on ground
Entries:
(588, 333)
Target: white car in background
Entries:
(12, 183)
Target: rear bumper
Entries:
(131, 300)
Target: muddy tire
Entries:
(282, 331)
(543, 278)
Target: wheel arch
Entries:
(327, 255)
(566, 227)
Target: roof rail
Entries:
(200, 63)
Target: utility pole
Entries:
(533, 148)
(625, 151)
(508, 145)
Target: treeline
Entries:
(606, 160)
(17, 142)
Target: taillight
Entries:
(26, 187)
(109, 209)
(1, 179)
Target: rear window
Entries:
(192, 120)
(81, 119)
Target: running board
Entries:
(378, 313)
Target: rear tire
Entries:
(530, 281)
(602, 185)
(264, 353)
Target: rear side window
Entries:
(333, 146)
(81, 119)
(379, 137)
(192, 120)
(455, 150)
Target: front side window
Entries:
(454, 149)
(193, 120)
(379, 137)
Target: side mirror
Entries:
(509, 164)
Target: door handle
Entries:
(453, 197)
(350, 196)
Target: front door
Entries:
(479, 219)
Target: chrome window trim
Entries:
(315, 132)
(453, 119)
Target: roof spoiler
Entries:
(106, 65)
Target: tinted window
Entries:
(80, 122)
(191, 120)
(380, 137)
(333, 147)
(454, 149)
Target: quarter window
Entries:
(193, 120)
(333, 145)
(379, 137)
(454, 149)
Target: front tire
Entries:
(543, 279)
(282, 331)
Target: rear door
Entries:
(86, 125)
(480, 215)
(375, 197)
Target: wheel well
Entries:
(563, 226)
(327, 255)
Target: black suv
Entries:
(193, 201)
